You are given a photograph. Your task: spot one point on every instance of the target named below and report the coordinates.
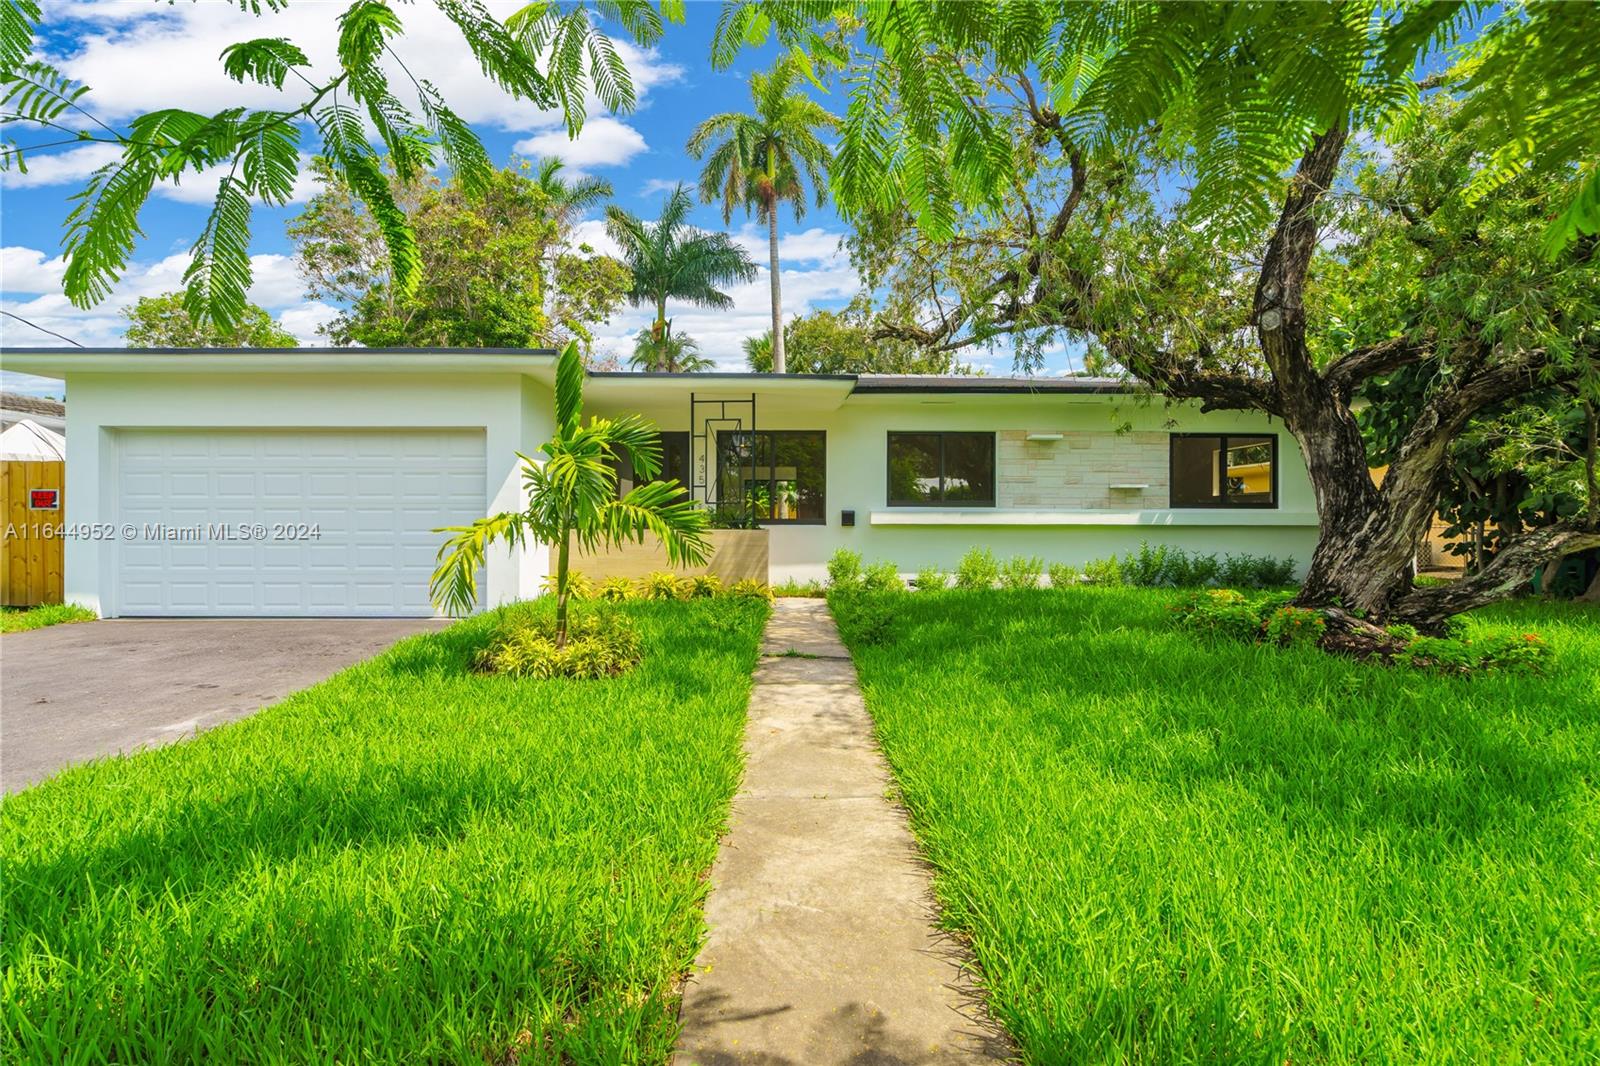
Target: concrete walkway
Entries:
(822, 949)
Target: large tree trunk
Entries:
(778, 366)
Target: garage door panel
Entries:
(373, 496)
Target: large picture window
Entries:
(774, 475)
(1212, 470)
(934, 469)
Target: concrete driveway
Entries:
(74, 692)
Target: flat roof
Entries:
(56, 361)
(981, 383)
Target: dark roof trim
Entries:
(868, 383)
(726, 375)
(291, 352)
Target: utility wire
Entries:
(40, 328)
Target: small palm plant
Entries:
(572, 497)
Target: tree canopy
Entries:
(164, 322)
(669, 259)
(499, 268)
(1245, 87)
(841, 342)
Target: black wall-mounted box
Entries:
(847, 518)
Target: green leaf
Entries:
(219, 272)
(267, 60)
(17, 19)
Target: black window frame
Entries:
(1222, 472)
(626, 472)
(994, 459)
(772, 480)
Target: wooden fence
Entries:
(31, 552)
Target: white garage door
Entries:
(264, 522)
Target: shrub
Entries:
(792, 587)
(579, 586)
(881, 577)
(616, 589)
(844, 569)
(703, 585)
(1514, 653)
(1255, 571)
(1202, 570)
(1146, 566)
(749, 588)
(977, 570)
(599, 644)
(661, 585)
(1295, 627)
(1102, 571)
(1274, 572)
(1021, 572)
(1222, 611)
(1063, 575)
(930, 579)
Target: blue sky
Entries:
(138, 56)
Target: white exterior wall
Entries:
(1053, 499)
(512, 411)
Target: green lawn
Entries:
(17, 619)
(408, 862)
(1171, 850)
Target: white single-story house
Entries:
(309, 481)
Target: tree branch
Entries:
(1510, 569)
(1357, 367)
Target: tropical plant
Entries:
(671, 260)
(761, 159)
(164, 322)
(921, 127)
(676, 353)
(555, 56)
(569, 198)
(572, 499)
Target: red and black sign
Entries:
(44, 499)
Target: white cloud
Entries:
(30, 286)
(304, 321)
(655, 185)
(26, 270)
(60, 168)
(603, 142)
(75, 165)
(808, 246)
(182, 42)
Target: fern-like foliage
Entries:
(1536, 74)
(550, 53)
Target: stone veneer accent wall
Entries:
(1075, 473)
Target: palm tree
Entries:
(569, 199)
(756, 161)
(676, 354)
(572, 496)
(671, 260)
